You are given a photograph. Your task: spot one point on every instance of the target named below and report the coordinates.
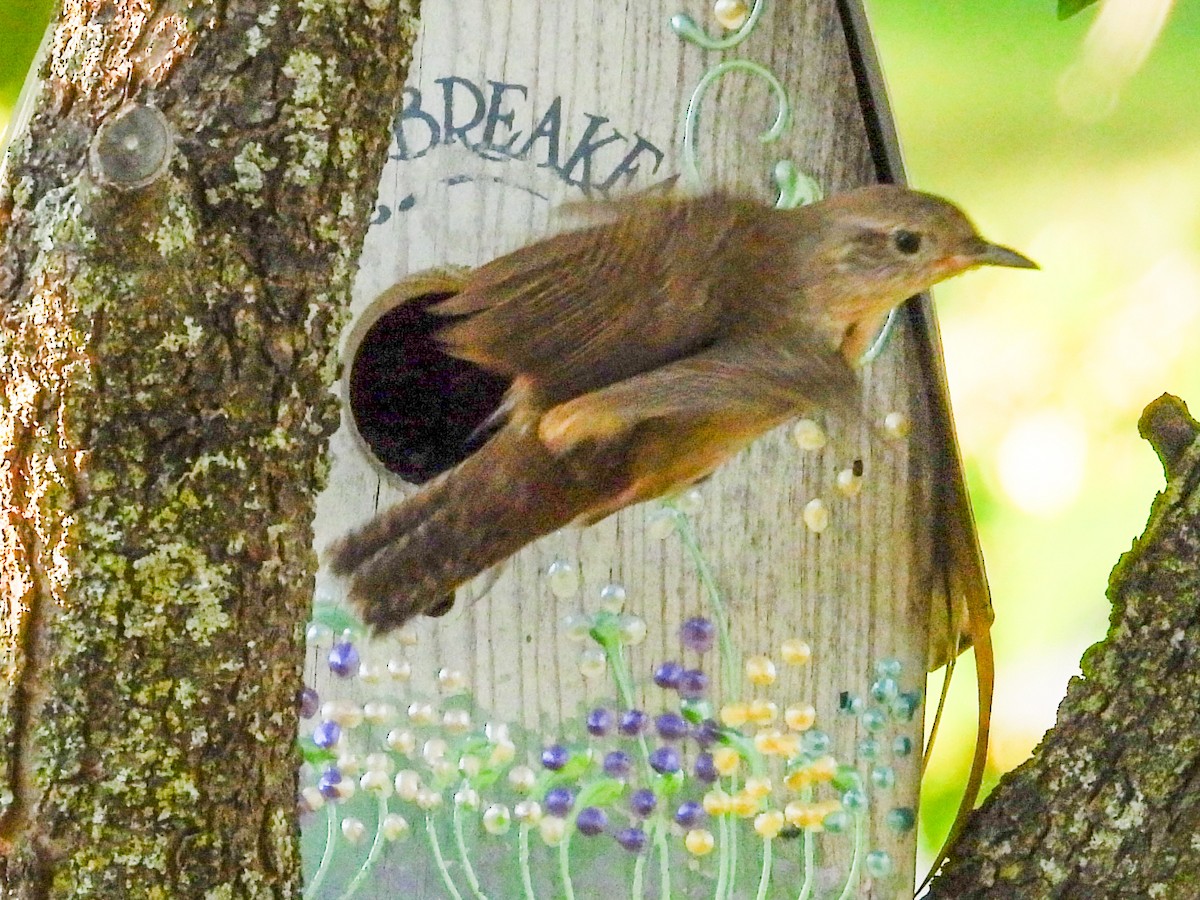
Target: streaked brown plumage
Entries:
(645, 351)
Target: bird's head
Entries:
(882, 244)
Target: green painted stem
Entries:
(436, 847)
(464, 858)
(318, 878)
(374, 853)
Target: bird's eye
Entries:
(907, 242)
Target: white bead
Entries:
(731, 14)
(456, 721)
(496, 732)
(400, 669)
(428, 799)
(371, 672)
(377, 783)
(577, 627)
(345, 789)
(317, 631)
(896, 425)
(690, 501)
(468, 798)
(522, 778)
(394, 827)
(496, 819)
(407, 637)
(451, 681)
(612, 598)
(345, 713)
(849, 484)
(402, 741)
(353, 830)
(660, 524)
(380, 762)
(563, 579)
(632, 630)
(378, 712)
(502, 753)
(434, 749)
(349, 764)
(816, 515)
(421, 714)
(470, 765)
(528, 812)
(593, 663)
(312, 797)
(552, 830)
(408, 784)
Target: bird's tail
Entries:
(408, 560)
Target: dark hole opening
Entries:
(417, 408)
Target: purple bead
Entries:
(555, 757)
(706, 732)
(670, 726)
(343, 659)
(693, 684)
(690, 814)
(326, 734)
(618, 764)
(599, 722)
(697, 634)
(632, 839)
(668, 674)
(310, 702)
(559, 801)
(706, 769)
(632, 722)
(328, 783)
(643, 802)
(591, 820)
(665, 760)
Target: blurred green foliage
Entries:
(22, 24)
(1068, 8)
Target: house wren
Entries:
(644, 350)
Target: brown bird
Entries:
(645, 350)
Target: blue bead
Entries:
(705, 768)
(698, 634)
(555, 757)
(664, 760)
(310, 702)
(632, 839)
(854, 799)
(902, 746)
(643, 802)
(591, 820)
(815, 742)
(670, 726)
(884, 690)
(618, 764)
(326, 734)
(328, 783)
(849, 704)
(878, 864)
(668, 675)
(693, 684)
(905, 706)
(873, 720)
(559, 801)
(883, 777)
(836, 822)
(690, 814)
(888, 668)
(632, 722)
(343, 659)
(868, 749)
(599, 722)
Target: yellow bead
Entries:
(769, 824)
(699, 841)
(816, 515)
(849, 484)
(726, 760)
(776, 743)
(732, 14)
(760, 670)
(735, 714)
(803, 815)
(743, 804)
(763, 712)
(716, 803)
(800, 718)
(808, 435)
(824, 768)
(758, 787)
(798, 780)
(796, 652)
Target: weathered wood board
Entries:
(514, 108)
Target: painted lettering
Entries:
(496, 118)
(450, 128)
(410, 111)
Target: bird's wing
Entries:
(588, 308)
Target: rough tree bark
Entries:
(1109, 804)
(179, 227)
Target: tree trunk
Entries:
(179, 227)
(1108, 805)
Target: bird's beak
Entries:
(995, 255)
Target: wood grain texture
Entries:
(858, 592)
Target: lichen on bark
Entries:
(1107, 806)
(165, 357)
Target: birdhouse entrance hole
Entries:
(418, 410)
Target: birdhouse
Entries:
(716, 694)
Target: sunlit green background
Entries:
(1083, 154)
